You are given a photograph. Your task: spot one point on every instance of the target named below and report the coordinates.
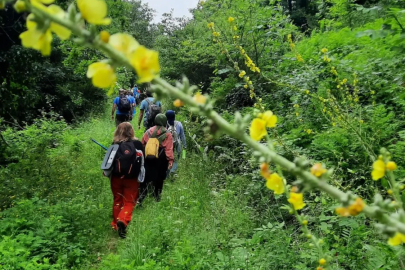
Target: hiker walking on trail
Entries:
(126, 171)
(133, 101)
(159, 157)
(179, 138)
(148, 111)
(124, 107)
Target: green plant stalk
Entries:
(307, 177)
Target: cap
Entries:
(170, 117)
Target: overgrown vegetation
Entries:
(331, 71)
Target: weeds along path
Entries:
(191, 224)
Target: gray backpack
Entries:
(176, 137)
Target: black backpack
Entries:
(124, 106)
(153, 110)
(127, 161)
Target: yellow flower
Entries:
(269, 118)
(235, 28)
(257, 70)
(275, 183)
(307, 92)
(390, 192)
(236, 37)
(216, 34)
(352, 210)
(246, 86)
(324, 50)
(309, 131)
(391, 166)
(124, 43)
(210, 25)
(322, 261)
(146, 64)
(242, 74)
(299, 58)
(94, 11)
(258, 129)
(318, 170)
(200, 99)
(231, 19)
(296, 199)
(178, 103)
(104, 36)
(36, 39)
(378, 170)
(102, 75)
(305, 222)
(397, 239)
(41, 40)
(62, 32)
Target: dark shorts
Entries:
(120, 118)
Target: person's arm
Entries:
(114, 107)
(168, 145)
(141, 111)
(182, 136)
(140, 118)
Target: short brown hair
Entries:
(124, 132)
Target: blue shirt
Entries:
(145, 105)
(117, 101)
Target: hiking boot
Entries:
(122, 229)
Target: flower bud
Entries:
(19, 6)
(322, 261)
(305, 222)
(104, 36)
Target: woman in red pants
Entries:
(124, 184)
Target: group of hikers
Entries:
(141, 166)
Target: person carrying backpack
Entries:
(127, 170)
(179, 138)
(148, 111)
(159, 157)
(124, 107)
(130, 96)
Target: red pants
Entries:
(125, 192)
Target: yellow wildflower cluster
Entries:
(248, 60)
(292, 47)
(231, 19)
(325, 55)
(258, 126)
(380, 168)
(39, 37)
(351, 210)
(273, 181)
